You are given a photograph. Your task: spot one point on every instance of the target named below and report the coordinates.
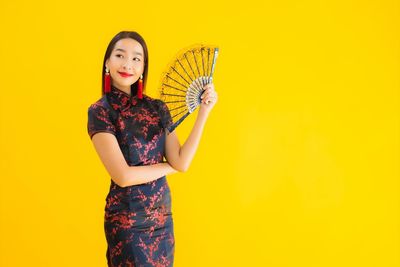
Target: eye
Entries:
(136, 58)
(117, 55)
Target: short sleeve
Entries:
(99, 121)
(165, 115)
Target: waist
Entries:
(138, 197)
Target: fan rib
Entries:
(197, 66)
(174, 95)
(178, 113)
(184, 86)
(180, 75)
(190, 65)
(174, 87)
(183, 106)
(202, 60)
(213, 64)
(177, 101)
(185, 70)
(208, 63)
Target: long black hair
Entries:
(135, 36)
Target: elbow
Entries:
(122, 185)
(121, 180)
(183, 168)
(182, 165)
(178, 167)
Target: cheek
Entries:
(140, 65)
(114, 63)
(139, 68)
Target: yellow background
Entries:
(299, 161)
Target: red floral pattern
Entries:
(138, 220)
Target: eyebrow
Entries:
(120, 49)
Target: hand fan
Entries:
(183, 81)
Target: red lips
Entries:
(124, 74)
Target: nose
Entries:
(127, 65)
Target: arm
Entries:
(181, 157)
(110, 154)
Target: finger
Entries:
(208, 86)
(209, 99)
(210, 94)
(205, 94)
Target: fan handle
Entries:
(173, 126)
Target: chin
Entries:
(125, 82)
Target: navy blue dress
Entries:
(138, 220)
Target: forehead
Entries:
(128, 45)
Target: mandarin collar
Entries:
(121, 100)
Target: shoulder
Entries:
(158, 103)
(101, 105)
(150, 99)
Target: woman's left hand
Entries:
(208, 98)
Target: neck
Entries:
(124, 89)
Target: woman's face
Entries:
(126, 63)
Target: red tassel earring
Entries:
(107, 82)
(140, 87)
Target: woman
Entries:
(129, 132)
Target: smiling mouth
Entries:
(125, 75)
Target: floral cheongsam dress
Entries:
(138, 219)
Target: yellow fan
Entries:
(183, 81)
